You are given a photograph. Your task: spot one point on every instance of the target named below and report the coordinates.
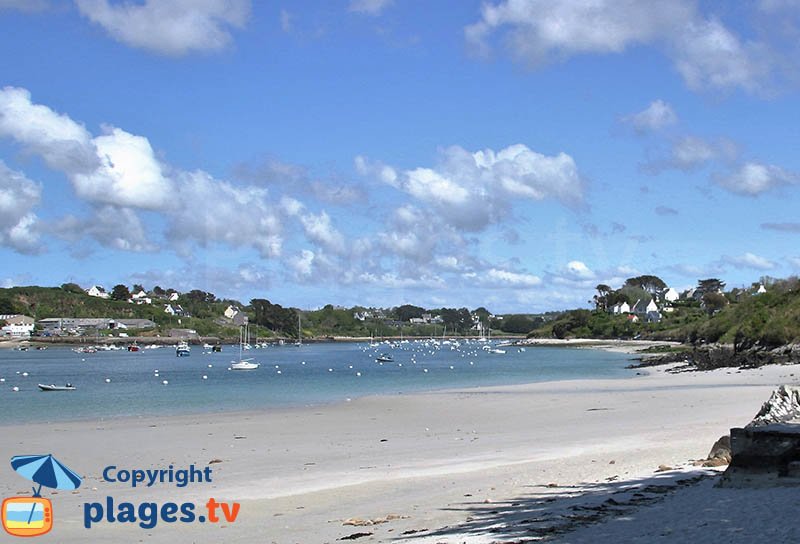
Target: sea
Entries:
(153, 382)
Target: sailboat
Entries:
(243, 364)
(299, 342)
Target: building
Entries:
(173, 296)
(97, 291)
(141, 298)
(17, 326)
(620, 308)
(174, 309)
(670, 295)
(231, 311)
(131, 324)
(761, 289)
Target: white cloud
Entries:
(18, 198)
(507, 278)
(370, 7)
(112, 227)
(705, 53)
(286, 21)
(473, 190)
(319, 229)
(129, 173)
(303, 264)
(656, 116)
(579, 270)
(752, 179)
(63, 144)
(749, 260)
(169, 27)
(212, 211)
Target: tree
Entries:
(601, 298)
(120, 292)
(196, 295)
(714, 302)
(274, 316)
(649, 283)
(158, 291)
(137, 288)
(72, 288)
(407, 311)
(520, 324)
(710, 285)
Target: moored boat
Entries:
(53, 387)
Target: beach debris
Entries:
(413, 532)
(664, 468)
(358, 522)
(355, 536)
(214, 461)
(238, 437)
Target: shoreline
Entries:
(426, 457)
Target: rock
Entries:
(720, 453)
(783, 405)
(214, 461)
(664, 468)
(764, 456)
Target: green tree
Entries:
(137, 287)
(714, 302)
(72, 288)
(158, 291)
(120, 292)
(647, 282)
(274, 316)
(601, 298)
(407, 311)
(710, 285)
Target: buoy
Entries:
(165, 382)
(15, 388)
(279, 372)
(424, 369)
(205, 377)
(358, 373)
(108, 380)
(210, 366)
(330, 370)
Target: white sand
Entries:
(432, 459)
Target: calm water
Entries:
(289, 376)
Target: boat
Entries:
(243, 364)
(133, 347)
(299, 342)
(216, 349)
(53, 387)
(384, 358)
(182, 349)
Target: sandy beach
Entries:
(419, 468)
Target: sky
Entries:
(511, 154)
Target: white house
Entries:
(620, 308)
(174, 296)
(671, 295)
(173, 309)
(97, 291)
(18, 326)
(641, 308)
(141, 298)
(231, 311)
(761, 289)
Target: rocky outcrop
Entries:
(783, 405)
(720, 454)
(766, 452)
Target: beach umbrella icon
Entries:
(45, 470)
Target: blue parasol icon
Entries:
(45, 470)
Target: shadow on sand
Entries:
(551, 510)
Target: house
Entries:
(97, 291)
(643, 309)
(141, 298)
(240, 319)
(633, 318)
(173, 296)
(362, 316)
(18, 326)
(231, 311)
(670, 295)
(761, 289)
(620, 308)
(174, 309)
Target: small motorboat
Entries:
(244, 365)
(53, 387)
(384, 358)
(216, 349)
(183, 349)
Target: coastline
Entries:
(428, 458)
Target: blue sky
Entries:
(506, 153)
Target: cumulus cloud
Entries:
(169, 27)
(61, 142)
(656, 116)
(111, 226)
(18, 222)
(506, 278)
(753, 179)
(579, 270)
(369, 7)
(472, 190)
(211, 211)
(749, 260)
(705, 53)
